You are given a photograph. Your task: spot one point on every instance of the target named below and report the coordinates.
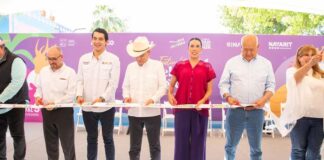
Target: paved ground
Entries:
(273, 148)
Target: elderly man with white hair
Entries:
(145, 84)
(247, 83)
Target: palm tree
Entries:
(104, 17)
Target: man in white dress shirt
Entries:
(56, 84)
(98, 77)
(145, 84)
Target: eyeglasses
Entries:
(53, 58)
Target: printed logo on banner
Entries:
(67, 42)
(177, 43)
(111, 42)
(233, 44)
(206, 43)
(167, 60)
(71, 42)
(63, 42)
(278, 45)
(32, 111)
(168, 63)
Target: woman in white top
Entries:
(305, 104)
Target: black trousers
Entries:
(153, 126)
(58, 125)
(106, 119)
(15, 120)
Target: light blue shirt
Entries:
(18, 74)
(247, 81)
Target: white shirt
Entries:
(142, 83)
(306, 98)
(98, 78)
(56, 86)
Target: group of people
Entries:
(247, 83)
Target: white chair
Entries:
(119, 116)
(210, 124)
(167, 116)
(226, 105)
(269, 125)
(223, 118)
(78, 124)
(282, 107)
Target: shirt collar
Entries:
(200, 62)
(254, 59)
(58, 70)
(146, 63)
(101, 55)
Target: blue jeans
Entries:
(306, 139)
(236, 121)
(106, 119)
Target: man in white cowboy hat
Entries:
(13, 90)
(144, 83)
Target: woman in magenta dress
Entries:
(195, 83)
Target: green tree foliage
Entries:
(270, 21)
(104, 17)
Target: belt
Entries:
(247, 108)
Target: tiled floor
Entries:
(273, 149)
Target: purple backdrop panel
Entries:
(170, 48)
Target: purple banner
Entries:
(170, 48)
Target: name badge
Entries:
(106, 62)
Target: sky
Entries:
(169, 16)
(140, 15)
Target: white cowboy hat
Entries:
(139, 46)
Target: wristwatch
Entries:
(102, 99)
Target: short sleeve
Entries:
(175, 70)
(211, 73)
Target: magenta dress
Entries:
(190, 124)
